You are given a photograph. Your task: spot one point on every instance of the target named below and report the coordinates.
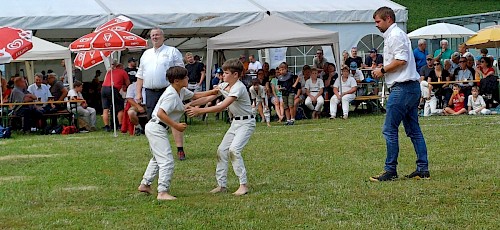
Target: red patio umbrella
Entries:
(87, 60)
(108, 40)
(13, 43)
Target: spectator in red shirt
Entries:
(457, 101)
(120, 82)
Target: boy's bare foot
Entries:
(219, 189)
(165, 196)
(145, 189)
(268, 125)
(241, 191)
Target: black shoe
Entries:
(137, 131)
(419, 175)
(107, 128)
(182, 155)
(385, 176)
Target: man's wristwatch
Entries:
(382, 70)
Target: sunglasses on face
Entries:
(429, 59)
(462, 61)
(437, 63)
(482, 61)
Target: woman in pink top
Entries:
(120, 82)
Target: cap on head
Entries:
(219, 70)
(430, 56)
(132, 59)
(353, 66)
(373, 50)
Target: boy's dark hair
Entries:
(272, 72)
(176, 72)
(77, 84)
(306, 67)
(233, 65)
(484, 51)
(331, 64)
(384, 12)
(457, 85)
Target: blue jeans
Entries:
(402, 105)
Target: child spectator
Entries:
(476, 103)
(457, 101)
(314, 90)
(285, 83)
(345, 93)
(259, 100)
(277, 98)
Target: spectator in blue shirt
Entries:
(420, 53)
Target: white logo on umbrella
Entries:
(129, 37)
(16, 44)
(107, 36)
(85, 39)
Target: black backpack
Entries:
(489, 87)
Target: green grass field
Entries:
(421, 10)
(313, 175)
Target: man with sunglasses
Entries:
(428, 68)
(319, 61)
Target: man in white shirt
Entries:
(254, 65)
(41, 91)
(402, 78)
(151, 75)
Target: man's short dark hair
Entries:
(77, 84)
(176, 72)
(233, 65)
(484, 51)
(306, 67)
(384, 12)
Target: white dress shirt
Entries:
(154, 65)
(397, 46)
(42, 92)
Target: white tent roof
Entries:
(272, 31)
(45, 50)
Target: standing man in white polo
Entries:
(402, 78)
(153, 68)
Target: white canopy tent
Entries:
(271, 32)
(45, 50)
(65, 21)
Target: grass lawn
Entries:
(313, 175)
(421, 10)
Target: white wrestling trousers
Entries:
(230, 148)
(430, 107)
(320, 101)
(346, 99)
(162, 161)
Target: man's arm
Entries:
(64, 94)
(138, 90)
(205, 94)
(163, 116)
(201, 101)
(135, 104)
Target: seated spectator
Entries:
(6, 90)
(471, 64)
(344, 92)
(319, 61)
(482, 53)
(373, 60)
(345, 56)
(134, 109)
(454, 62)
(476, 103)
(217, 78)
(30, 113)
(354, 58)
(253, 65)
(42, 92)
(121, 82)
(427, 69)
(329, 79)
(443, 53)
(484, 69)
(259, 101)
(314, 90)
(58, 91)
(456, 103)
(420, 54)
(88, 114)
(447, 65)
(356, 73)
(438, 74)
(277, 98)
(429, 98)
(462, 49)
(297, 90)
